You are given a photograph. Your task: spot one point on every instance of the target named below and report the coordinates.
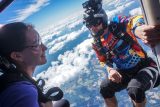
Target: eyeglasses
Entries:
(36, 45)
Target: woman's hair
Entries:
(12, 38)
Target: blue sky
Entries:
(40, 13)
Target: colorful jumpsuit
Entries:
(139, 72)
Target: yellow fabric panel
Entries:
(131, 24)
(129, 28)
(133, 21)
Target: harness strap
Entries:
(119, 33)
(97, 46)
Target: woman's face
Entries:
(34, 51)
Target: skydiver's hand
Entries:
(115, 76)
(148, 34)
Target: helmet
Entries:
(94, 19)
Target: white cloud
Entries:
(119, 9)
(136, 11)
(69, 64)
(77, 22)
(22, 14)
(59, 43)
(48, 35)
(68, 23)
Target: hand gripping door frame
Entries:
(151, 13)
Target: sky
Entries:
(40, 13)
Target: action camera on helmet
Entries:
(93, 5)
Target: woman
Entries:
(21, 51)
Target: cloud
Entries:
(69, 64)
(120, 9)
(22, 14)
(55, 30)
(136, 11)
(72, 25)
(59, 43)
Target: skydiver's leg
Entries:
(142, 104)
(62, 103)
(145, 79)
(108, 89)
(111, 102)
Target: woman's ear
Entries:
(17, 56)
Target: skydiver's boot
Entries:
(139, 104)
(111, 102)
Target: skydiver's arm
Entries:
(148, 34)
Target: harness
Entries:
(118, 34)
(6, 79)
